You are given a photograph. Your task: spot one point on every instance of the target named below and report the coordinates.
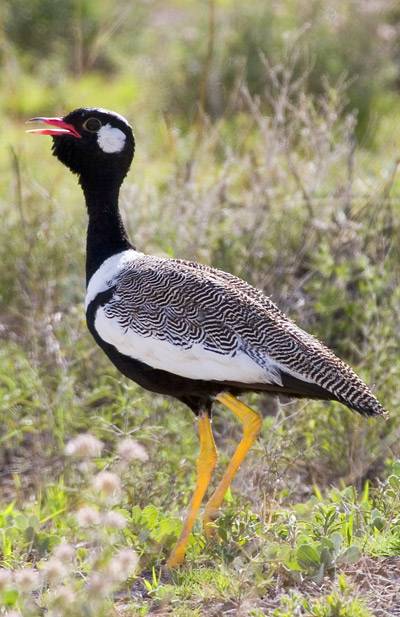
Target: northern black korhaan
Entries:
(180, 328)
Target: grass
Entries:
(285, 198)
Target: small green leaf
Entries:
(222, 532)
(30, 534)
(9, 597)
(326, 543)
(352, 554)
(308, 557)
(349, 493)
(150, 514)
(272, 550)
(136, 514)
(319, 576)
(318, 493)
(303, 539)
(365, 495)
(326, 558)
(143, 535)
(228, 495)
(21, 522)
(34, 522)
(336, 540)
(377, 522)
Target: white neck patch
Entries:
(111, 139)
(104, 277)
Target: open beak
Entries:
(60, 127)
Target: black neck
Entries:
(106, 233)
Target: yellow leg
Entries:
(206, 463)
(251, 429)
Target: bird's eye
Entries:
(92, 124)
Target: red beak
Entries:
(62, 128)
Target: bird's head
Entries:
(95, 143)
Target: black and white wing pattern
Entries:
(201, 323)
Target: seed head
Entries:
(64, 551)
(123, 564)
(107, 482)
(131, 450)
(84, 444)
(98, 583)
(87, 516)
(115, 520)
(54, 570)
(386, 32)
(63, 595)
(26, 580)
(5, 578)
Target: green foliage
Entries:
(154, 530)
(208, 59)
(326, 555)
(78, 31)
(338, 604)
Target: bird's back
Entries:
(203, 323)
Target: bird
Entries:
(181, 328)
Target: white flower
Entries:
(107, 482)
(84, 444)
(87, 516)
(130, 450)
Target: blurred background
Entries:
(267, 145)
(167, 57)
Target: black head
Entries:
(97, 144)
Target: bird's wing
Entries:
(201, 323)
(179, 318)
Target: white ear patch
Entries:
(111, 139)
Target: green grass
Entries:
(311, 525)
